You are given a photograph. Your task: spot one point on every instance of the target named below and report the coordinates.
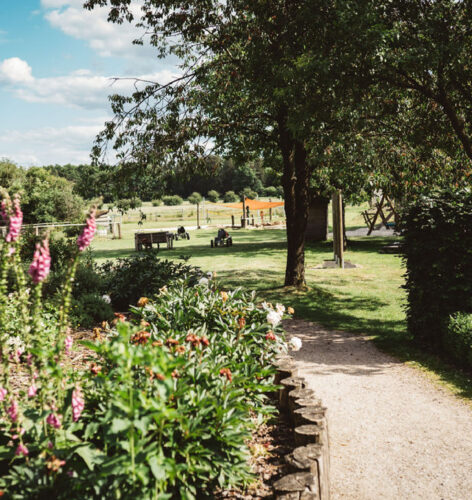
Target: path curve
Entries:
(394, 434)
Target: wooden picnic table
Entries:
(149, 238)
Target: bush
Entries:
(127, 204)
(271, 191)
(195, 198)
(156, 203)
(437, 243)
(231, 197)
(458, 339)
(143, 274)
(172, 200)
(249, 193)
(280, 192)
(213, 196)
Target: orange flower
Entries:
(270, 336)
(95, 369)
(142, 301)
(224, 296)
(170, 342)
(226, 372)
(175, 374)
(205, 341)
(54, 464)
(159, 376)
(290, 310)
(157, 343)
(180, 349)
(241, 322)
(96, 334)
(144, 324)
(140, 337)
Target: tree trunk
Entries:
(295, 181)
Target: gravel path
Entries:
(394, 434)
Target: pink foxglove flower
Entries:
(3, 393)
(68, 344)
(32, 390)
(54, 420)
(15, 220)
(39, 268)
(88, 233)
(77, 404)
(12, 411)
(22, 450)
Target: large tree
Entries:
(265, 77)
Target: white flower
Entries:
(295, 344)
(280, 308)
(16, 341)
(274, 318)
(203, 281)
(106, 298)
(266, 306)
(210, 275)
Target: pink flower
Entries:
(77, 404)
(22, 450)
(12, 411)
(15, 220)
(86, 237)
(39, 268)
(32, 390)
(50, 445)
(54, 420)
(68, 344)
(29, 359)
(3, 393)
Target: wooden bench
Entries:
(146, 240)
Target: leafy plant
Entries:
(172, 200)
(127, 279)
(195, 198)
(156, 203)
(231, 197)
(458, 339)
(213, 196)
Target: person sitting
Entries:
(182, 233)
(223, 237)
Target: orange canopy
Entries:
(255, 204)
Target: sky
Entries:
(57, 65)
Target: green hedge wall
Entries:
(438, 256)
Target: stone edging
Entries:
(309, 461)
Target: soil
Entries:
(394, 433)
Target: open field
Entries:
(367, 300)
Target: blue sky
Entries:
(56, 65)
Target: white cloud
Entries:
(79, 89)
(14, 70)
(47, 145)
(107, 39)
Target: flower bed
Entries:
(165, 406)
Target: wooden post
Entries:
(113, 234)
(118, 225)
(243, 220)
(232, 222)
(198, 215)
(338, 230)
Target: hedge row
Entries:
(438, 256)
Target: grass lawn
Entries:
(367, 300)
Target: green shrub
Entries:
(458, 339)
(231, 197)
(156, 203)
(213, 196)
(126, 280)
(271, 191)
(90, 309)
(127, 204)
(195, 198)
(437, 241)
(249, 193)
(172, 200)
(280, 192)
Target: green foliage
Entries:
(271, 191)
(195, 198)
(172, 200)
(156, 203)
(213, 196)
(89, 309)
(125, 204)
(249, 193)
(458, 339)
(48, 198)
(11, 175)
(231, 197)
(438, 257)
(126, 280)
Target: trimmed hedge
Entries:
(459, 339)
(438, 256)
